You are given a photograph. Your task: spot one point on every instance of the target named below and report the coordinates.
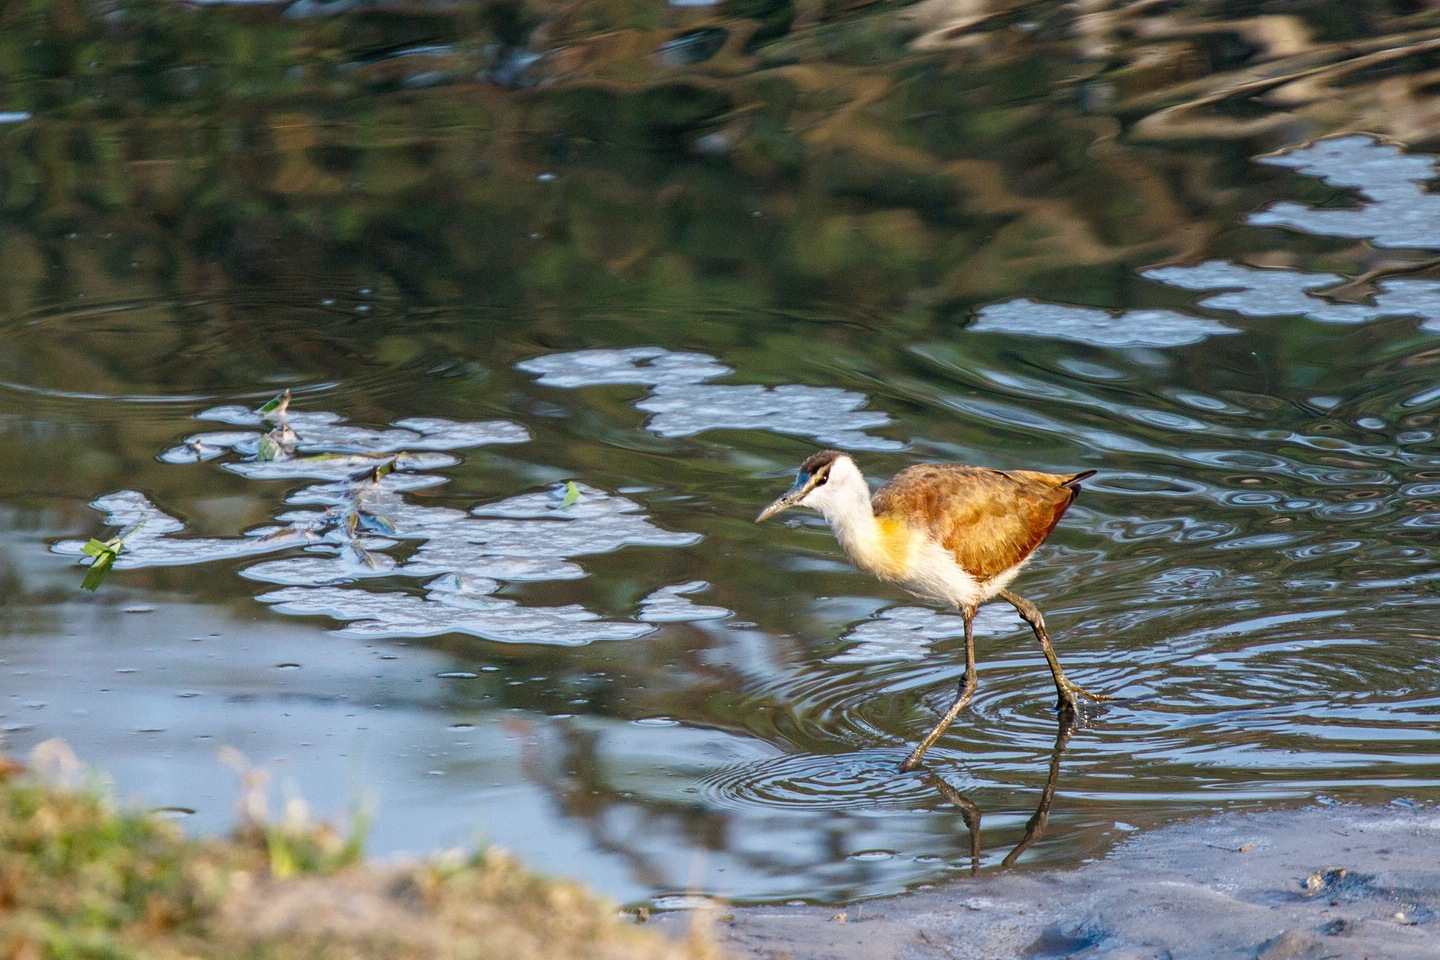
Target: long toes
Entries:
(1069, 691)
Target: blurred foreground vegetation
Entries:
(82, 878)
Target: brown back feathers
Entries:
(989, 519)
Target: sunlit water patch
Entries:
(684, 404)
(364, 515)
(1264, 293)
(533, 536)
(1135, 328)
(1398, 211)
(672, 604)
(1280, 293)
(446, 609)
(908, 633)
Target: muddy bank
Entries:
(1335, 883)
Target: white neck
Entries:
(844, 501)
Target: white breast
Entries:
(934, 575)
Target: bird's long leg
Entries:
(967, 690)
(1069, 692)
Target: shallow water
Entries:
(625, 679)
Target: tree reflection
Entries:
(915, 159)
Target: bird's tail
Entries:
(1074, 482)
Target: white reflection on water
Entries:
(1264, 293)
(1400, 212)
(452, 604)
(532, 536)
(151, 544)
(684, 405)
(327, 433)
(1285, 293)
(648, 366)
(670, 605)
(332, 552)
(909, 633)
(1101, 328)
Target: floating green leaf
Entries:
(277, 404)
(104, 553)
(572, 495)
(269, 449)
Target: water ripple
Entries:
(169, 354)
(863, 779)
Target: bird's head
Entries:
(813, 484)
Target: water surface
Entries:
(591, 313)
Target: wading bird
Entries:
(948, 534)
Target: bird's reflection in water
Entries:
(1035, 827)
(827, 801)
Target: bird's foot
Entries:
(1070, 694)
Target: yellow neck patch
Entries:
(888, 553)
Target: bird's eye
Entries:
(820, 481)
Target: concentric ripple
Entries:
(173, 354)
(863, 779)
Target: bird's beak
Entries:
(787, 499)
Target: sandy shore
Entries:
(1333, 883)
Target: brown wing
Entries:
(989, 519)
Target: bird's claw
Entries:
(1070, 695)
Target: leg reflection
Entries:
(969, 812)
(1035, 827)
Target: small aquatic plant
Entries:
(103, 554)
